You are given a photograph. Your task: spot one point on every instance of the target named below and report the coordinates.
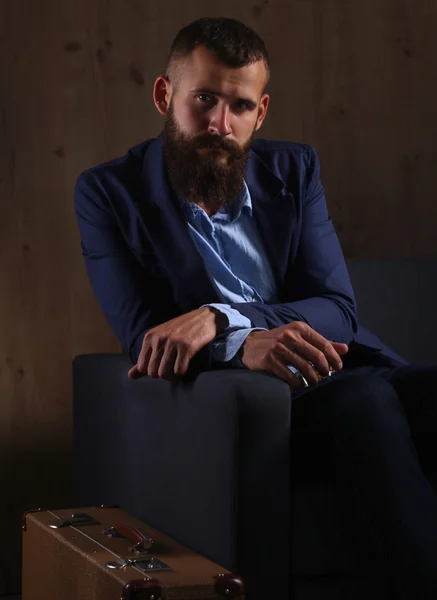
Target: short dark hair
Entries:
(233, 43)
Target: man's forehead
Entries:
(202, 69)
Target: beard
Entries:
(212, 178)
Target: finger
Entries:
(282, 371)
(314, 355)
(144, 357)
(324, 346)
(341, 348)
(154, 361)
(182, 362)
(165, 369)
(289, 357)
(134, 373)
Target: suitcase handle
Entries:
(141, 541)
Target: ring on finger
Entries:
(331, 371)
(302, 379)
(319, 377)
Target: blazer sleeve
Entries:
(319, 283)
(132, 297)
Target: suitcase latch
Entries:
(143, 564)
(75, 519)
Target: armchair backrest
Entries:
(397, 300)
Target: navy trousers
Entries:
(372, 417)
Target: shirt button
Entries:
(254, 299)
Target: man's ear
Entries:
(162, 93)
(262, 110)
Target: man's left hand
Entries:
(168, 348)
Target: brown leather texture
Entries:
(69, 563)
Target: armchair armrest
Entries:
(164, 452)
(205, 461)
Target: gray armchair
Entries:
(212, 462)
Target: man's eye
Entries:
(242, 105)
(204, 98)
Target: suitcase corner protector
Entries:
(153, 586)
(229, 585)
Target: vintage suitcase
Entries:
(102, 553)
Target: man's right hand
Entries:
(295, 344)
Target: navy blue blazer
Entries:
(145, 268)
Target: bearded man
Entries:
(209, 249)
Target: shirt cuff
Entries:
(235, 318)
(226, 345)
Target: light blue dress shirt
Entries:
(237, 263)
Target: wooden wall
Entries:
(355, 78)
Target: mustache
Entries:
(215, 141)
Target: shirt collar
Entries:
(244, 203)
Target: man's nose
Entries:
(219, 123)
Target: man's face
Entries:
(211, 117)
(214, 99)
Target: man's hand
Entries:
(295, 344)
(168, 348)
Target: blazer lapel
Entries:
(274, 211)
(168, 234)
